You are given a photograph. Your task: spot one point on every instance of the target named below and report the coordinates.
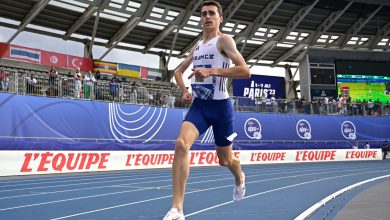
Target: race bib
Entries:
(203, 88)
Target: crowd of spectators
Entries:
(92, 86)
(342, 106)
(95, 86)
(4, 80)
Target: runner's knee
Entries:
(224, 162)
(181, 147)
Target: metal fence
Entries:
(66, 86)
(317, 107)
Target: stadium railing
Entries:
(65, 86)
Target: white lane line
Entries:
(308, 212)
(200, 175)
(124, 185)
(78, 184)
(65, 177)
(105, 181)
(208, 189)
(112, 207)
(72, 177)
(71, 199)
(146, 182)
(75, 177)
(153, 177)
(204, 181)
(277, 189)
(82, 178)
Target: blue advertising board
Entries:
(88, 125)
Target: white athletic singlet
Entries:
(206, 55)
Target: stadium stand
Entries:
(159, 93)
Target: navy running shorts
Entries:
(216, 113)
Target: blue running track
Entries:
(281, 191)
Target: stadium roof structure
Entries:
(267, 32)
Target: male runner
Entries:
(211, 106)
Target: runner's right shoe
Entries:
(174, 214)
(239, 191)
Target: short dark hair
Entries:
(213, 3)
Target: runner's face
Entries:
(210, 17)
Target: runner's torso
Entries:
(206, 55)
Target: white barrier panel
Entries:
(45, 162)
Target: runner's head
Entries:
(211, 14)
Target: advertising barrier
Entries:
(64, 124)
(45, 162)
(41, 135)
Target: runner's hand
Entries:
(187, 97)
(201, 73)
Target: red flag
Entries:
(144, 72)
(85, 64)
(53, 59)
(4, 50)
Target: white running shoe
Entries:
(239, 191)
(174, 214)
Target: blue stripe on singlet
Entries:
(222, 81)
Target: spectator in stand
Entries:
(113, 88)
(53, 74)
(88, 84)
(3, 80)
(264, 96)
(149, 98)
(355, 107)
(158, 98)
(305, 106)
(370, 107)
(314, 103)
(340, 101)
(121, 92)
(274, 104)
(348, 101)
(367, 146)
(66, 88)
(97, 75)
(334, 106)
(386, 109)
(77, 83)
(385, 148)
(30, 84)
(2, 76)
(377, 108)
(96, 88)
(326, 105)
(355, 145)
(133, 94)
